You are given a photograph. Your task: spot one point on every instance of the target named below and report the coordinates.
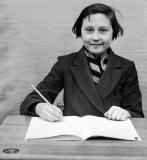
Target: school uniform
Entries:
(117, 86)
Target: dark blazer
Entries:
(118, 86)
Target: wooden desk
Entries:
(14, 128)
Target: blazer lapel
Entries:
(82, 74)
(111, 76)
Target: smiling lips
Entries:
(96, 44)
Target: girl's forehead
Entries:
(97, 18)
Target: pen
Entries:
(44, 97)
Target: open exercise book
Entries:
(81, 128)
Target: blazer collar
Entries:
(111, 76)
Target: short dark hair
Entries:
(99, 8)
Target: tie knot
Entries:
(98, 60)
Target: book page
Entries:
(99, 126)
(81, 128)
(39, 128)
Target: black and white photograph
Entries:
(73, 79)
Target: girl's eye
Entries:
(89, 30)
(103, 30)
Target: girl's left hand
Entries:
(117, 113)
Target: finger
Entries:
(56, 109)
(124, 116)
(115, 114)
(54, 113)
(106, 113)
(49, 117)
(47, 111)
(119, 115)
(110, 112)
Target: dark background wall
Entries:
(34, 32)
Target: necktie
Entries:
(97, 66)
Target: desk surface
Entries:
(14, 128)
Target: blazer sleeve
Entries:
(132, 98)
(50, 86)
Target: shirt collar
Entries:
(104, 56)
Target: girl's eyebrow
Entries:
(103, 26)
(91, 26)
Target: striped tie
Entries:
(97, 66)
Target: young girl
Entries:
(96, 81)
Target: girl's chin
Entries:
(97, 52)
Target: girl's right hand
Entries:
(49, 112)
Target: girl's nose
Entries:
(96, 36)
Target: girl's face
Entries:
(96, 33)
